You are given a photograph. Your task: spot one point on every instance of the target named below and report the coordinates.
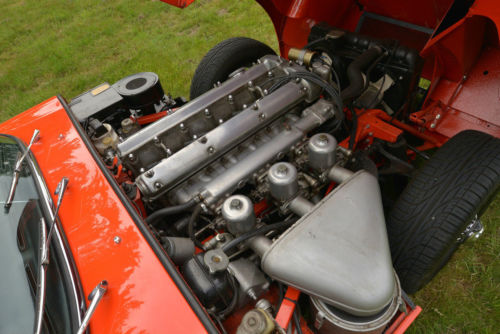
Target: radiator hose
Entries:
(354, 72)
(169, 211)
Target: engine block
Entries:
(267, 137)
(175, 148)
(267, 146)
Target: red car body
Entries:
(461, 53)
(102, 234)
(107, 237)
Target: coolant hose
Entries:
(354, 72)
(171, 210)
(192, 221)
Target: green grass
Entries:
(465, 296)
(67, 47)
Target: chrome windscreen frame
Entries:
(59, 242)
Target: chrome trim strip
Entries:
(41, 286)
(60, 241)
(162, 256)
(77, 290)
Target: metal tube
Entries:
(300, 206)
(339, 174)
(260, 244)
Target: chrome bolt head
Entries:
(322, 139)
(236, 204)
(282, 170)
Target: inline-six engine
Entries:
(246, 186)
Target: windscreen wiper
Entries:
(43, 252)
(42, 279)
(17, 171)
(94, 298)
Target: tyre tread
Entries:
(224, 58)
(451, 187)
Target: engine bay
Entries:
(265, 181)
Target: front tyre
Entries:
(429, 220)
(225, 58)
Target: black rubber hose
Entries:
(234, 301)
(171, 210)
(263, 230)
(314, 78)
(312, 43)
(356, 82)
(192, 221)
(370, 69)
(281, 295)
(296, 320)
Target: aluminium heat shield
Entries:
(339, 251)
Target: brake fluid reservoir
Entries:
(107, 140)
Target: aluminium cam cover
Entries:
(339, 251)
